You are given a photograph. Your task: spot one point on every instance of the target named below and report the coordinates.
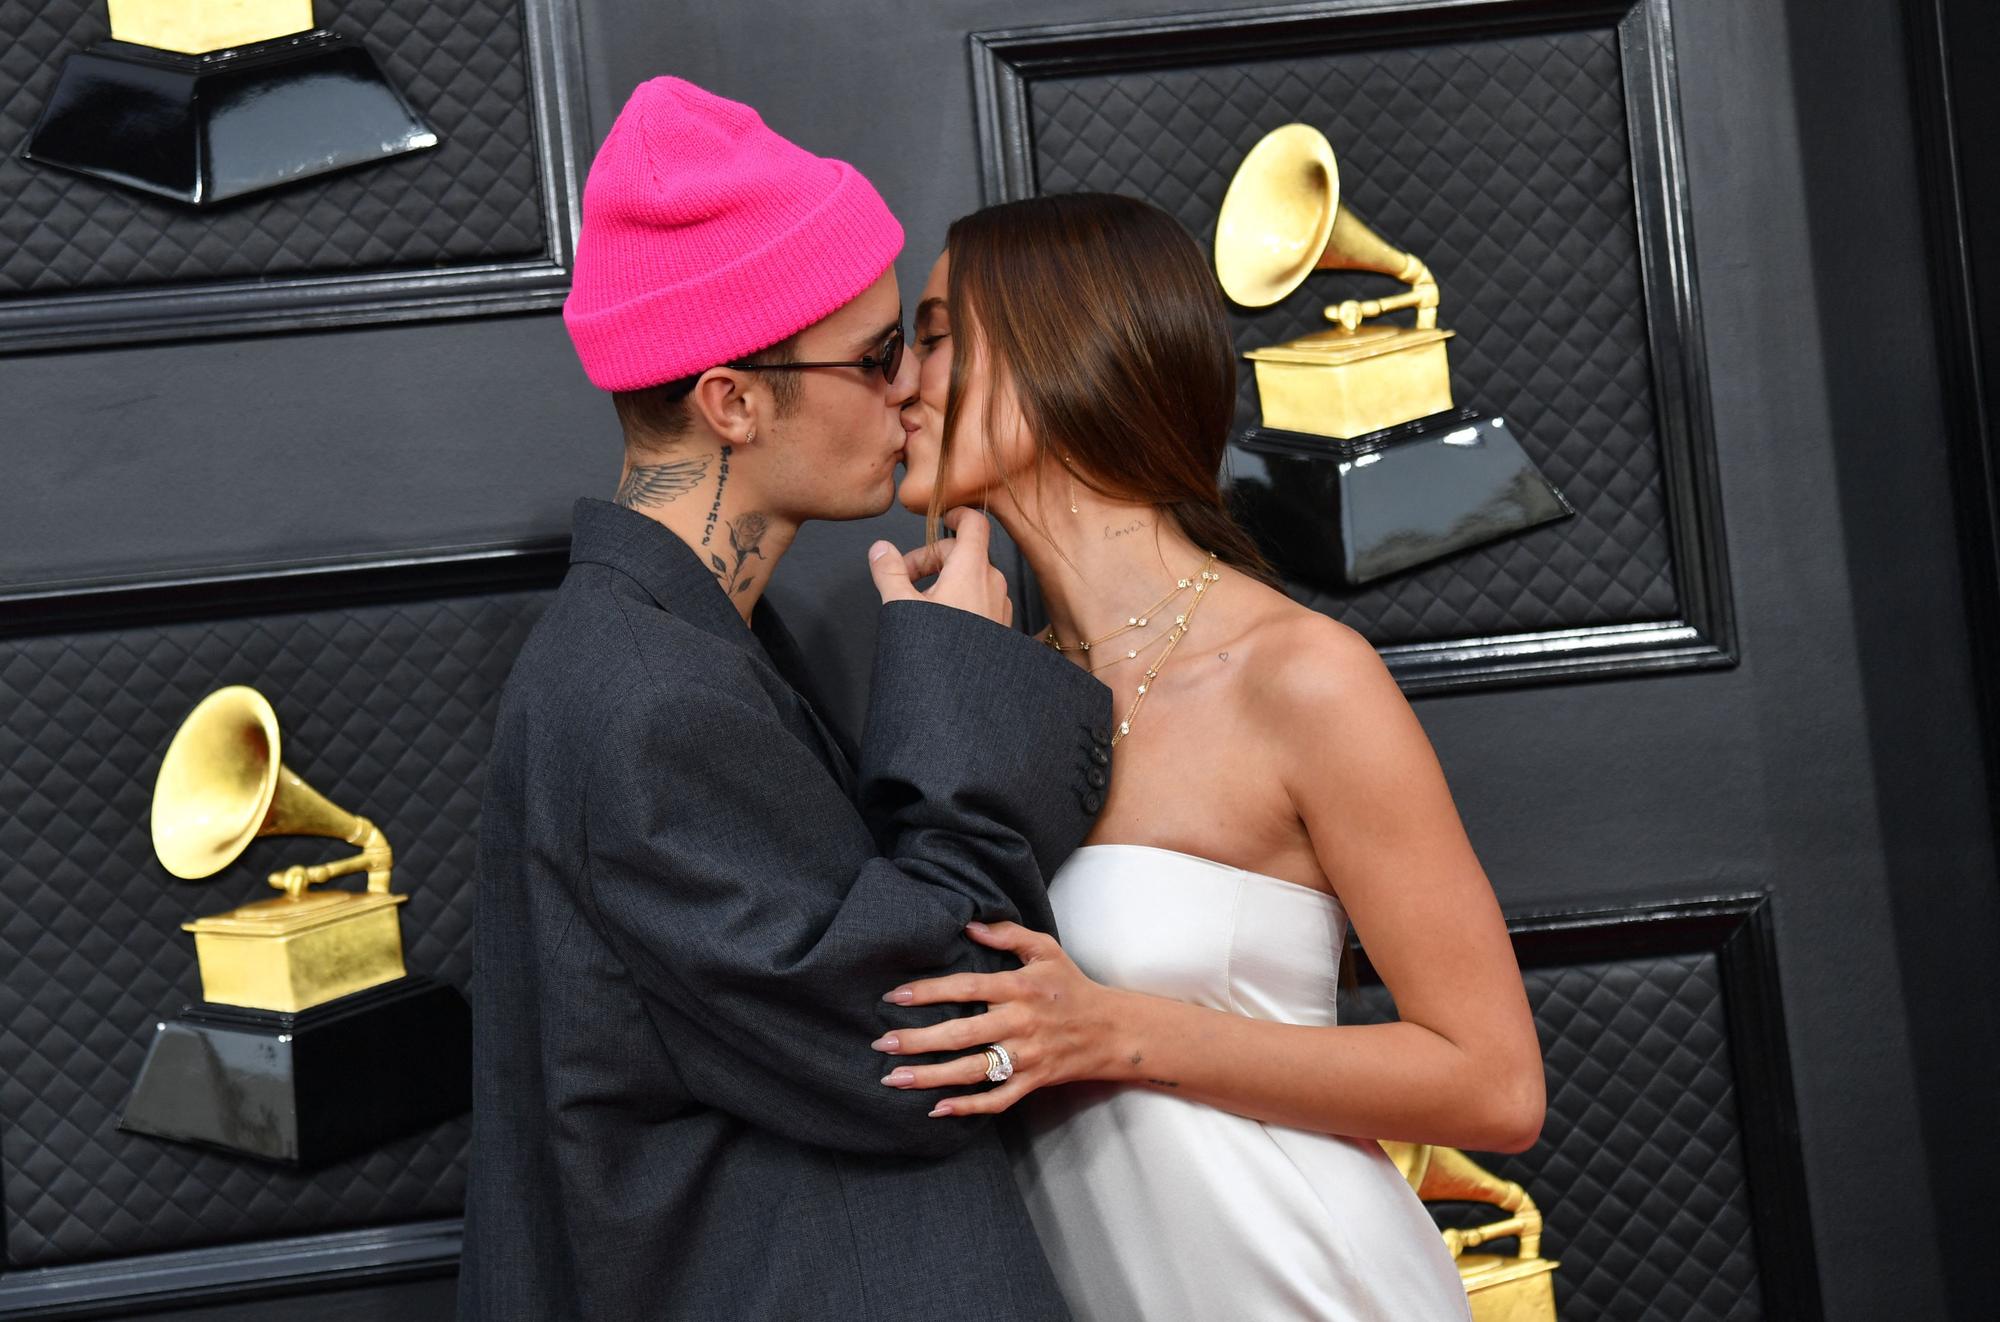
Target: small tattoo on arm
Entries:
(1222, 656)
(715, 506)
(746, 538)
(661, 484)
(1163, 1083)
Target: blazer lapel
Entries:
(673, 575)
(782, 650)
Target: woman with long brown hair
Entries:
(1196, 1138)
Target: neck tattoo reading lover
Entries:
(715, 506)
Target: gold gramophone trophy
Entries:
(1362, 467)
(1500, 1287)
(312, 1042)
(1283, 219)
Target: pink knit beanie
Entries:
(707, 237)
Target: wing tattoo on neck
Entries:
(661, 484)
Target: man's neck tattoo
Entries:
(715, 506)
(746, 538)
(661, 484)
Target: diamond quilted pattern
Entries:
(387, 709)
(1639, 1171)
(1503, 164)
(462, 64)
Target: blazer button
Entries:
(1092, 802)
(1101, 735)
(1095, 779)
(1099, 756)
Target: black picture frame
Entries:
(203, 309)
(235, 1273)
(1740, 930)
(127, 601)
(1006, 62)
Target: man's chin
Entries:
(880, 501)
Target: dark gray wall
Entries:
(1836, 765)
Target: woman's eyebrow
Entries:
(928, 306)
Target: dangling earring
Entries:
(1072, 486)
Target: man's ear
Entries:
(727, 403)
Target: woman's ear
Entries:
(722, 399)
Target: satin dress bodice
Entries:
(1156, 1208)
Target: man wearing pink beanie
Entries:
(693, 891)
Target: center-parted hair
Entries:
(1102, 313)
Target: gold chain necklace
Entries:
(1139, 621)
(1181, 624)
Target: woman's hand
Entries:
(1056, 1024)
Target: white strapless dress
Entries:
(1158, 1209)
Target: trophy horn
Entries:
(1282, 219)
(222, 784)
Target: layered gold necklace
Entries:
(1199, 583)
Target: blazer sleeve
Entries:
(762, 918)
(968, 720)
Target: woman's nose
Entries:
(903, 389)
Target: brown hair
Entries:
(1103, 314)
(657, 416)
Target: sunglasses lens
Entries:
(892, 354)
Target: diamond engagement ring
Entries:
(999, 1065)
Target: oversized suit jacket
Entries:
(692, 895)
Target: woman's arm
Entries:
(1462, 1067)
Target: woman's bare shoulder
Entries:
(1308, 664)
(1324, 703)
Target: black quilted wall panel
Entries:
(386, 708)
(1640, 1172)
(1504, 164)
(462, 64)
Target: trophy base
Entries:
(1340, 514)
(311, 1088)
(203, 129)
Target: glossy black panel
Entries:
(204, 129)
(310, 1088)
(1342, 513)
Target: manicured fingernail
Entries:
(877, 551)
(942, 1108)
(901, 996)
(975, 927)
(887, 1042)
(900, 1078)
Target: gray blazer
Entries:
(692, 895)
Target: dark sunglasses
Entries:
(886, 358)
